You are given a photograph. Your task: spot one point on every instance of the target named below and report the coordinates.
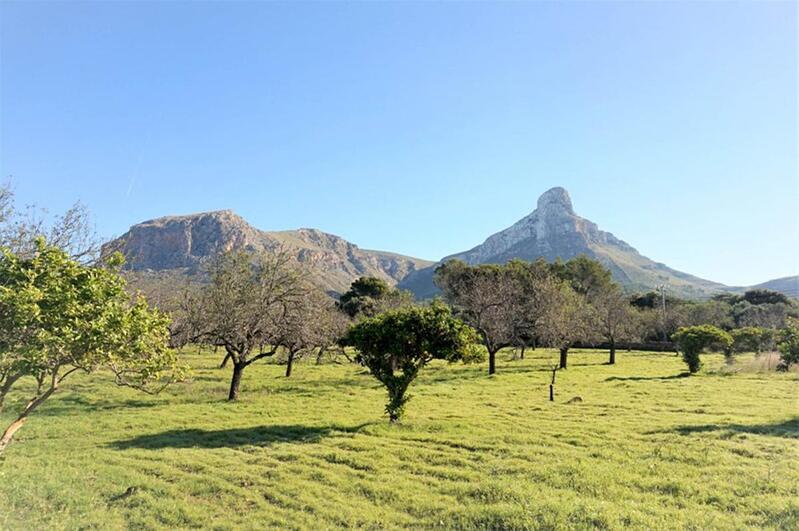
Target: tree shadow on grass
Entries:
(233, 437)
(647, 378)
(788, 429)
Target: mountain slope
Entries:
(184, 243)
(553, 231)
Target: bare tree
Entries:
(568, 319)
(487, 298)
(240, 306)
(72, 231)
(615, 318)
(303, 325)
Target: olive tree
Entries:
(692, 340)
(241, 305)
(59, 317)
(395, 345)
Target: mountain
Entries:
(787, 285)
(181, 244)
(553, 231)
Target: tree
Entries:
(487, 297)
(692, 340)
(58, 317)
(615, 318)
(586, 276)
(369, 296)
(302, 326)
(789, 345)
(395, 345)
(240, 306)
(72, 231)
(765, 296)
(568, 319)
(751, 339)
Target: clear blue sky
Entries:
(418, 128)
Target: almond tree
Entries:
(567, 320)
(304, 325)
(487, 298)
(241, 305)
(615, 318)
(59, 317)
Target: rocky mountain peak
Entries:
(555, 200)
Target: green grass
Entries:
(645, 448)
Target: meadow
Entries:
(645, 448)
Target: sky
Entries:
(418, 128)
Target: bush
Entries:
(692, 340)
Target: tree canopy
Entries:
(395, 345)
(58, 316)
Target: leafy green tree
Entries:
(789, 345)
(369, 296)
(692, 340)
(587, 277)
(59, 317)
(751, 339)
(765, 296)
(395, 345)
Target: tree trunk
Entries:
(551, 393)
(235, 382)
(12, 428)
(289, 363)
(612, 359)
(319, 355)
(564, 351)
(492, 362)
(521, 356)
(224, 361)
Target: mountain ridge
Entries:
(184, 242)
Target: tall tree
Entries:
(397, 344)
(59, 317)
(240, 306)
(303, 325)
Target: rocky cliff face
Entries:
(553, 231)
(184, 243)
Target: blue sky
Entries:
(418, 128)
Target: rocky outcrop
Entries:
(186, 242)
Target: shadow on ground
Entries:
(253, 436)
(788, 429)
(647, 378)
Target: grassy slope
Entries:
(644, 449)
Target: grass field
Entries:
(645, 448)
